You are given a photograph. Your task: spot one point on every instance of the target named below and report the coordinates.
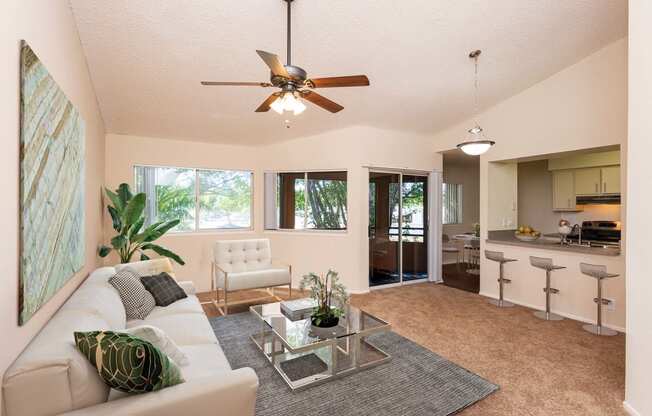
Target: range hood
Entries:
(613, 199)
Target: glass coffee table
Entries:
(305, 355)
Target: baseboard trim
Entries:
(564, 314)
(630, 410)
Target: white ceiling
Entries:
(147, 57)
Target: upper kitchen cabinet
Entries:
(563, 190)
(588, 182)
(610, 179)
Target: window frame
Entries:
(198, 230)
(304, 230)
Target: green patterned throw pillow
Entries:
(128, 363)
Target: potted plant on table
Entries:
(128, 219)
(330, 296)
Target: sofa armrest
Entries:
(228, 393)
(188, 287)
(277, 262)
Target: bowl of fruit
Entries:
(527, 233)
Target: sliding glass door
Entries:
(398, 228)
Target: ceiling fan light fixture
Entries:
(288, 102)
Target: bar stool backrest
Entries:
(541, 262)
(498, 256)
(475, 243)
(445, 238)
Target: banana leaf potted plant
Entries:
(128, 219)
(330, 296)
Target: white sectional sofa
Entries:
(51, 377)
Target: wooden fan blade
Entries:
(273, 63)
(237, 84)
(266, 105)
(321, 101)
(333, 82)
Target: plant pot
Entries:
(325, 322)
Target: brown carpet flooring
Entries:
(543, 368)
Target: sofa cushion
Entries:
(149, 267)
(101, 300)
(204, 360)
(183, 328)
(128, 363)
(164, 288)
(273, 276)
(160, 340)
(137, 301)
(188, 305)
(51, 363)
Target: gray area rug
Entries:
(415, 382)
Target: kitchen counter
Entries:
(548, 243)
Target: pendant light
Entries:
(476, 143)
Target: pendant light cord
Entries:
(289, 60)
(476, 87)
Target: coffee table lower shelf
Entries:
(315, 364)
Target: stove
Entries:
(598, 233)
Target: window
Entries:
(451, 203)
(202, 199)
(306, 200)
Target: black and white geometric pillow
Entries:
(164, 288)
(138, 302)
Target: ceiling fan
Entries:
(294, 83)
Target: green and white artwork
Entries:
(51, 186)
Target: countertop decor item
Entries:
(52, 133)
(527, 233)
(128, 218)
(330, 295)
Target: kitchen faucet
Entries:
(579, 228)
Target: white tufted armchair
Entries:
(246, 264)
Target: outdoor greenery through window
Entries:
(306, 200)
(202, 199)
(451, 203)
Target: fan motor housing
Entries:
(297, 76)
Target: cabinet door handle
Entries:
(596, 188)
(604, 187)
(569, 203)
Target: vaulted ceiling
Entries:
(147, 58)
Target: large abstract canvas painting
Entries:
(51, 186)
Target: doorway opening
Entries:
(398, 228)
(461, 221)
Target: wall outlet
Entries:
(612, 304)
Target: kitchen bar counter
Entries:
(507, 237)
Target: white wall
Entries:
(583, 106)
(639, 172)
(49, 28)
(353, 149)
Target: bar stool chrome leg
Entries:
(499, 257)
(500, 302)
(600, 273)
(547, 315)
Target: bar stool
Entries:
(546, 264)
(598, 272)
(447, 247)
(499, 257)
